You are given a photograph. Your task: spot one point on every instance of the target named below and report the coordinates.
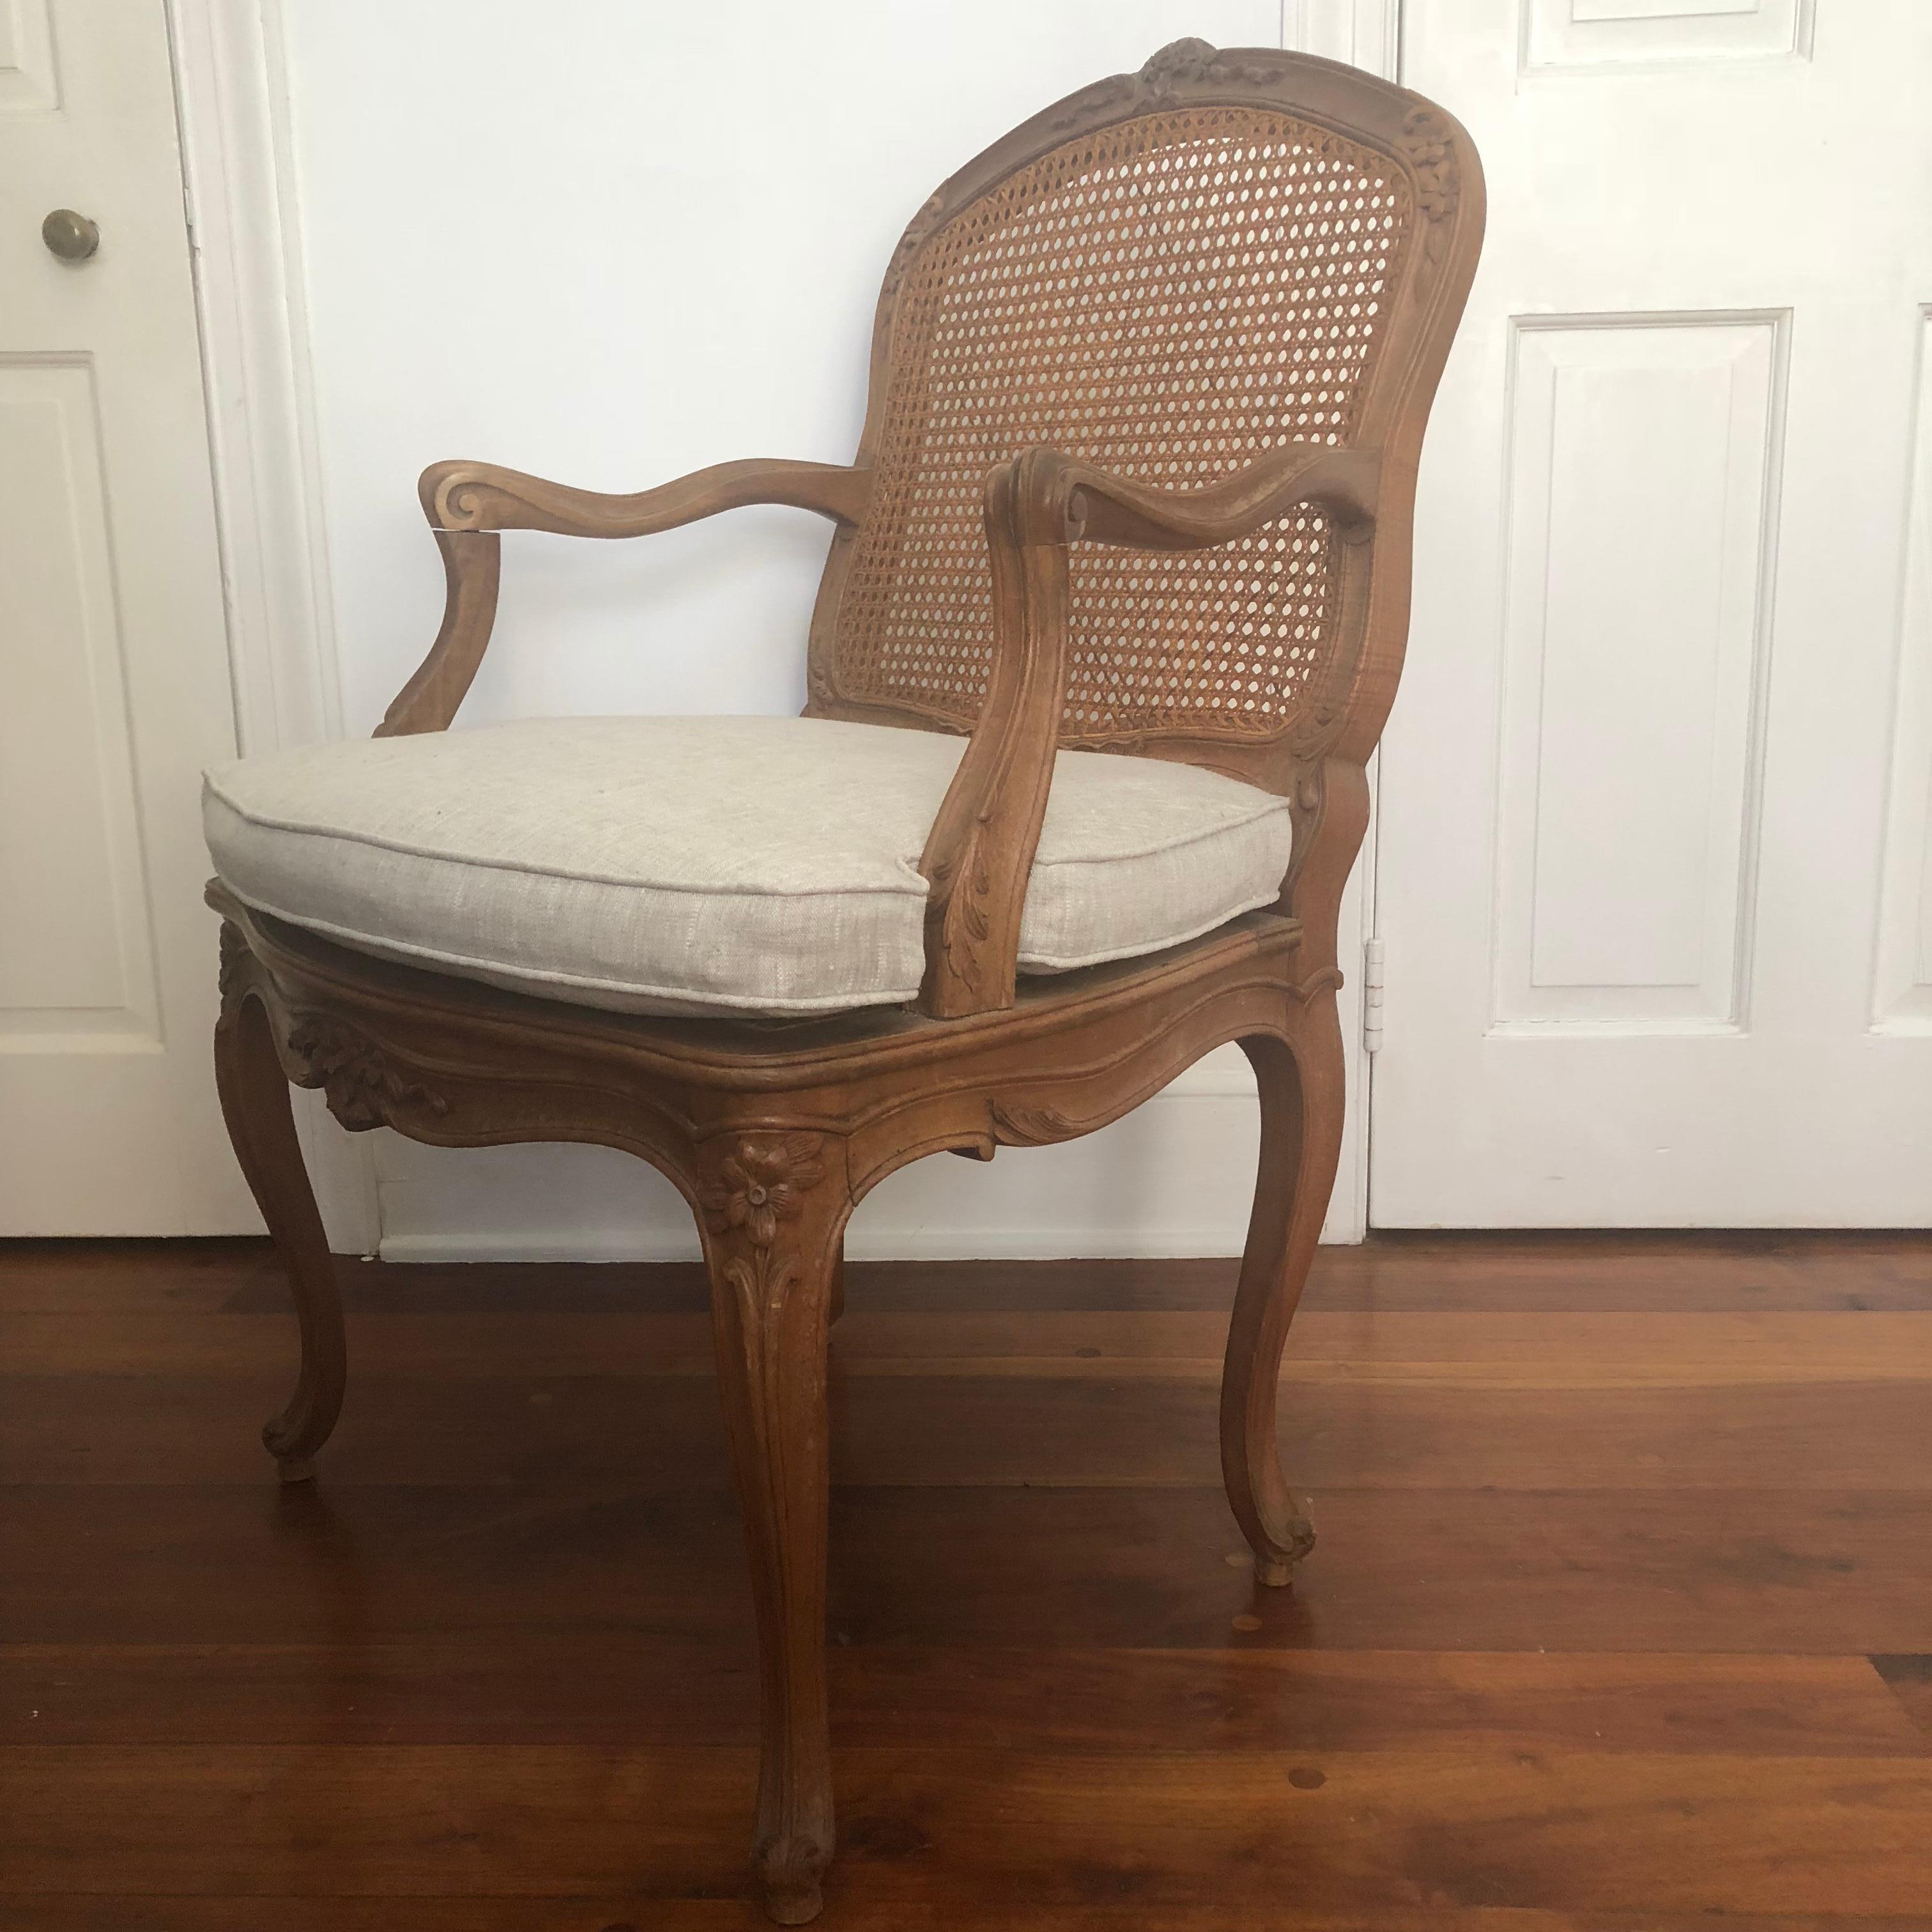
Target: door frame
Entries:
(244, 240)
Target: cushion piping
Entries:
(489, 969)
(916, 888)
(467, 967)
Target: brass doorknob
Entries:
(71, 236)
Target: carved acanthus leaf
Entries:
(1019, 1125)
(362, 1088)
(234, 967)
(968, 919)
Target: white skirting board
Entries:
(1174, 1177)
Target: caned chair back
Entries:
(1168, 275)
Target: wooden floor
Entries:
(1621, 1617)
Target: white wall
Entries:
(610, 242)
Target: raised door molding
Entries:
(1643, 468)
(1558, 34)
(29, 78)
(1903, 1001)
(78, 970)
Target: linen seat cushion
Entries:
(712, 865)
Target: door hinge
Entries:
(1373, 980)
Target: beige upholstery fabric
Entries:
(712, 864)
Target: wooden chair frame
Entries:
(774, 1131)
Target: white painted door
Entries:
(114, 688)
(1654, 875)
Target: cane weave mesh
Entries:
(1167, 298)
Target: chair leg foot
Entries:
(1301, 1103)
(261, 1124)
(1278, 1572)
(789, 1876)
(775, 1207)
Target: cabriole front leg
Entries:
(1301, 1105)
(255, 1105)
(774, 1207)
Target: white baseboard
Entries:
(959, 1242)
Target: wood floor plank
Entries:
(1671, 1273)
(1398, 1828)
(1909, 1680)
(1400, 1570)
(941, 1430)
(615, 1688)
(1829, 1573)
(1477, 1351)
(1618, 1622)
(1683, 1272)
(56, 1277)
(54, 1912)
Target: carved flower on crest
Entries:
(1425, 141)
(1179, 60)
(762, 1184)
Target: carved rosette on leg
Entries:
(774, 1204)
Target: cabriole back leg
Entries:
(261, 1123)
(1301, 1106)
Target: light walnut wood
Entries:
(775, 1206)
(773, 1131)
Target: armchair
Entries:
(1113, 613)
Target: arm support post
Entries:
(979, 854)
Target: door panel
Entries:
(1633, 617)
(1654, 795)
(114, 690)
(1584, 33)
(77, 959)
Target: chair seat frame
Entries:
(773, 1131)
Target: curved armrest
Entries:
(979, 855)
(1094, 505)
(467, 503)
(480, 496)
